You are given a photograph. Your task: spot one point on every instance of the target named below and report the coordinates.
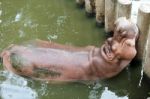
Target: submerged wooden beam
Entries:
(143, 22)
(123, 8)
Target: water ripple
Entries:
(61, 20)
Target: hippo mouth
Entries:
(107, 53)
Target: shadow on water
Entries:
(63, 22)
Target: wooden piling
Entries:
(90, 7)
(110, 6)
(123, 8)
(100, 12)
(146, 56)
(143, 22)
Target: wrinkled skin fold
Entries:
(44, 60)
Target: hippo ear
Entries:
(120, 19)
(130, 20)
(123, 18)
(115, 23)
(109, 40)
(118, 28)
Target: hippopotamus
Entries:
(45, 60)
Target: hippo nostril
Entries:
(114, 48)
(109, 40)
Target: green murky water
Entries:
(60, 21)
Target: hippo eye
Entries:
(120, 31)
(129, 43)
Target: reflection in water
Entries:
(43, 89)
(61, 20)
(9, 91)
(15, 87)
(107, 94)
(94, 94)
(142, 74)
(101, 92)
(52, 37)
(18, 17)
(21, 33)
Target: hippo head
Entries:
(125, 28)
(122, 44)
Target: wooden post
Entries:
(146, 56)
(110, 6)
(123, 9)
(100, 12)
(90, 7)
(80, 2)
(143, 22)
